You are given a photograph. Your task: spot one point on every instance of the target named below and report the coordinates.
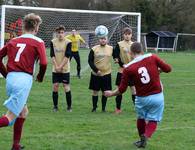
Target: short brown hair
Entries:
(31, 21)
(61, 27)
(136, 48)
(127, 30)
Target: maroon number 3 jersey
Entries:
(143, 73)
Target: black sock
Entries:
(118, 101)
(104, 101)
(94, 101)
(68, 99)
(55, 99)
(133, 99)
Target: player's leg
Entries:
(94, 100)
(94, 85)
(18, 126)
(55, 81)
(68, 97)
(118, 98)
(18, 94)
(145, 133)
(77, 58)
(66, 85)
(154, 115)
(8, 119)
(71, 56)
(141, 122)
(106, 84)
(151, 108)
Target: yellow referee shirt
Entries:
(75, 41)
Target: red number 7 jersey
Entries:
(22, 52)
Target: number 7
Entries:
(21, 49)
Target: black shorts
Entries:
(61, 78)
(102, 83)
(119, 78)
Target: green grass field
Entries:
(83, 130)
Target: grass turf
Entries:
(83, 130)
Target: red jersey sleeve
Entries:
(42, 54)
(43, 61)
(124, 81)
(3, 53)
(162, 65)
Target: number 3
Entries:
(21, 49)
(145, 76)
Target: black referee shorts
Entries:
(102, 83)
(61, 78)
(119, 78)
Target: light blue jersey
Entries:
(18, 86)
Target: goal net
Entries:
(185, 42)
(84, 21)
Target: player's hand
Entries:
(58, 69)
(159, 70)
(99, 73)
(108, 93)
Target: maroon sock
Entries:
(141, 126)
(17, 132)
(150, 128)
(4, 122)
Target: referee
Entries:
(76, 39)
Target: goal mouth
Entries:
(185, 42)
(83, 21)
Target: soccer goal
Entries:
(185, 42)
(84, 21)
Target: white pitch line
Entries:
(176, 128)
(176, 85)
(109, 131)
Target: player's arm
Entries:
(52, 55)
(116, 55)
(123, 85)
(53, 59)
(66, 55)
(163, 67)
(91, 61)
(42, 62)
(68, 37)
(82, 40)
(3, 53)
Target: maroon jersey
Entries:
(143, 73)
(22, 52)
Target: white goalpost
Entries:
(84, 21)
(184, 41)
